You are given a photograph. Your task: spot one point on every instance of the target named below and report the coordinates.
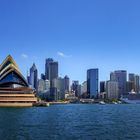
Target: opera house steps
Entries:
(14, 90)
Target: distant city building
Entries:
(51, 73)
(28, 79)
(43, 76)
(112, 90)
(102, 86)
(137, 83)
(59, 84)
(102, 94)
(47, 68)
(131, 82)
(131, 77)
(135, 80)
(75, 88)
(84, 87)
(92, 82)
(80, 90)
(53, 70)
(41, 85)
(130, 86)
(47, 85)
(67, 83)
(53, 94)
(120, 76)
(33, 77)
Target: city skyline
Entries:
(79, 35)
(69, 69)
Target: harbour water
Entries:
(71, 122)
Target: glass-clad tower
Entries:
(92, 82)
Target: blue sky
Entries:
(80, 34)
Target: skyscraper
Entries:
(75, 88)
(84, 87)
(53, 71)
(120, 76)
(33, 77)
(112, 90)
(134, 79)
(137, 83)
(59, 84)
(130, 86)
(47, 67)
(131, 82)
(43, 77)
(92, 82)
(102, 86)
(67, 83)
(41, 85)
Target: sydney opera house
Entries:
(14, 90)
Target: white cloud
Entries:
(25, 56)
(62, 54)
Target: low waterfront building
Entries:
(14, 90)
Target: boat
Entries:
(115, 103)
(119, 102)
(126, 100)
(47, 104)
(131, 98)
(102, 103)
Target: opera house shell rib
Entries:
(14, 90)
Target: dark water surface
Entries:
(71, 122)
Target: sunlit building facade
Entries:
(14, 90)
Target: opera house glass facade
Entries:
(14, 90)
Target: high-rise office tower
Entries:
(131, 82)
(112, 90)
(53, 70)
(130, 86)
(47, 85)
(62, 87)
(67, 83)
(131, 77)
(51, 73)
(137, 83)
(59, 84)
(135, 80)
(102, 86)
(92, 82)
(33, 77)
(41, 85)
(43, 77)
(47, 67)
(75, 88)
(120, 76)
(84, 87)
